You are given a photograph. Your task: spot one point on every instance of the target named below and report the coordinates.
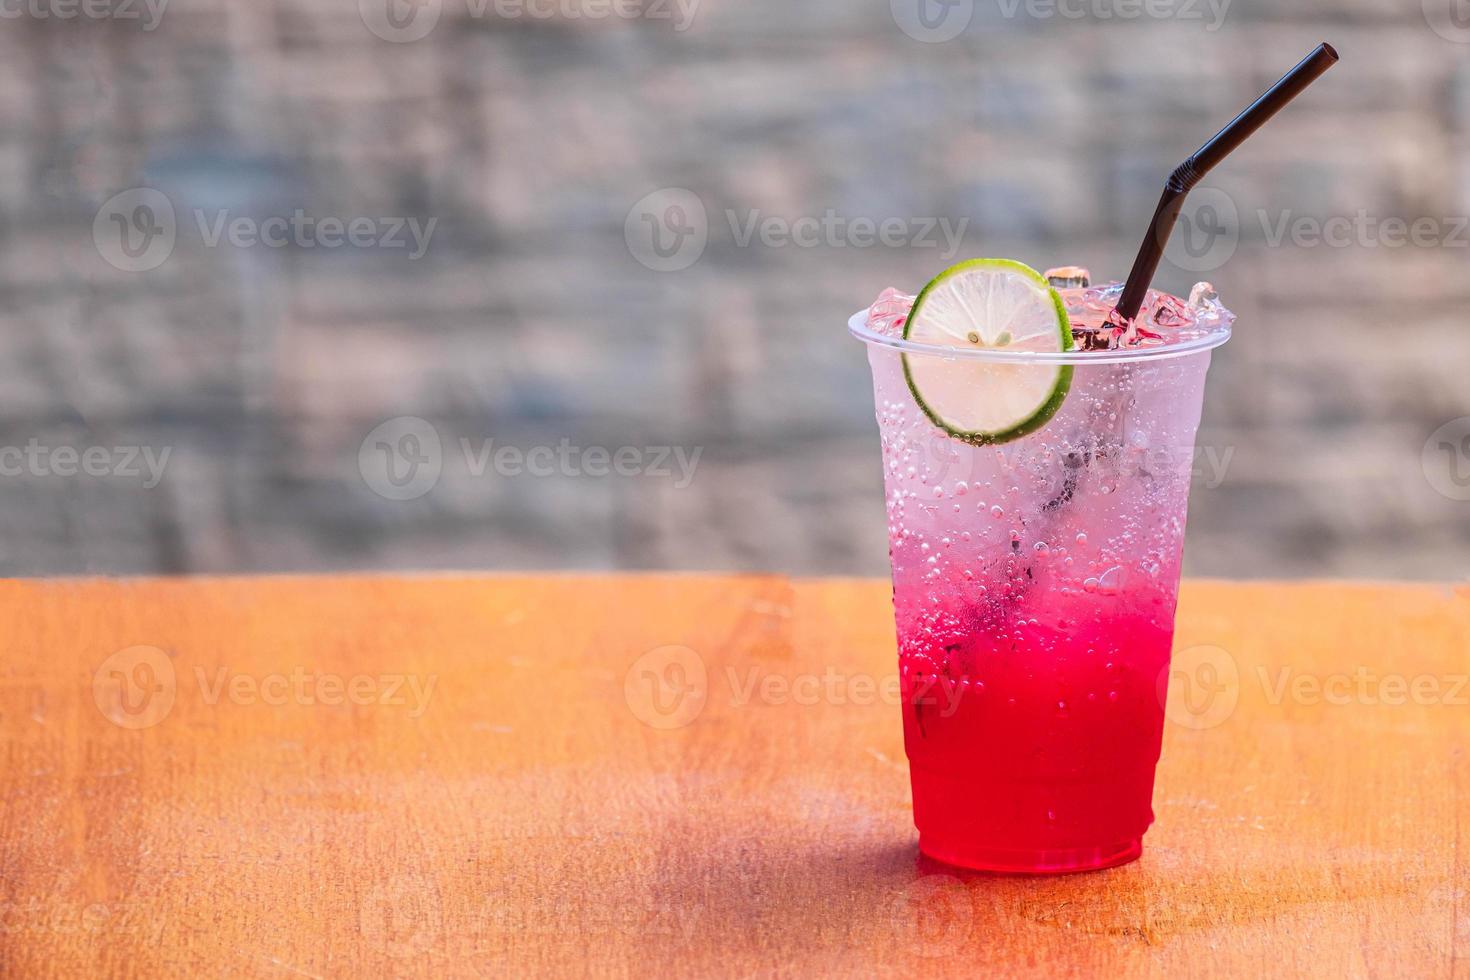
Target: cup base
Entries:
(1039, 862)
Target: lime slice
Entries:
(988, 304)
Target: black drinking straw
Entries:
(1188, 173)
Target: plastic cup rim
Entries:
(857, 325)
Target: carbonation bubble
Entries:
(997, 512)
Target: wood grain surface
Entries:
(687, 776)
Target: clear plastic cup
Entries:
(1034, 589)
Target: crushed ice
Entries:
(1164, 319)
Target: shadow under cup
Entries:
(1034, 588)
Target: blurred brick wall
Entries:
(529, 141)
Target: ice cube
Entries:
(889, 312)
(1170, 313)
(1202, 295)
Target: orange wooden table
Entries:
(687, 776)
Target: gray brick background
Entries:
(530, 139)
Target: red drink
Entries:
(1038, 755)
(1035, 582)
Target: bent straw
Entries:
(1188, 173)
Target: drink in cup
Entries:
(1036, 498)
(1038, 438)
